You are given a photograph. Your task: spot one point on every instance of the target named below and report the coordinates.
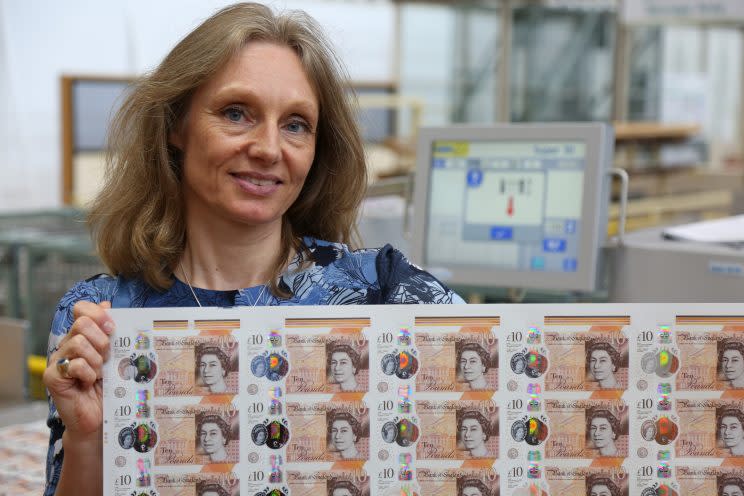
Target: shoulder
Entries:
(327, 273)
(336, 274)
(95, 289)
(407, 283)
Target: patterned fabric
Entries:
(331, 275)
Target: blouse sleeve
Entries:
(94, 290)
(402, 282)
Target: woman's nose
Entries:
(264, 143)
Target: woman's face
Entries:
(732, 364)
(389, 432)
(342, 368)
(600, 490)
(248, 139)
(342, 435)
(471, 491)
(210, 369)
(472, 434)
(211, 438)
(471, 365)
(732, 490)
(601, 433)
(731, 431)
(600, 365)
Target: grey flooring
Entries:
(22, 412)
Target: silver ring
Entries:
(63, 367)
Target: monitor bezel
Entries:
(599, 141)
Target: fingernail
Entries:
(109, 327)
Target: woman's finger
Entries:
(80, 370)
(97, 312)
(87, 327)
(78, 346)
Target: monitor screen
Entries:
(511, 210)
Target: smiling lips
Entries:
(256, 184)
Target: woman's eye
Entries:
(298, 127)
(233, 114)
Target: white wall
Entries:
(40, 40)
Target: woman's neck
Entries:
(225, 256)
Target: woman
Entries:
(210, 489)
(602, 431)
(343, 365)
(731, 363)
(343, 433)
(601, 486)
(126, 438)
(730, 423)
(472, 362)
(602, 361)
(473, 432)
(342, 488)
(731, 486)
(213, 368)
(236, 170)
(473, 487)
(213, 434)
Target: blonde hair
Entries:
(137, 219)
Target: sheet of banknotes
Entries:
(471, 400)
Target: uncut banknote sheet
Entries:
(460, 400)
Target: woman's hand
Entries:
(78, 396)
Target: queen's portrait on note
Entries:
(473, 431)
(603, 429)
(210, 489)
(730, 423)
(730, 486)
(472, 364)
(731, 362)
(343, 488)
(212, 366)
(343, 365)
(213, 434)
(344, 431)
(602, 362)
(473, 487)
(602, 486)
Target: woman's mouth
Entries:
(256, 185)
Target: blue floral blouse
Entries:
(331, 275)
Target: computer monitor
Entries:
(512, 205)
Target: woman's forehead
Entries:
(731, 419)
(260, 67)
